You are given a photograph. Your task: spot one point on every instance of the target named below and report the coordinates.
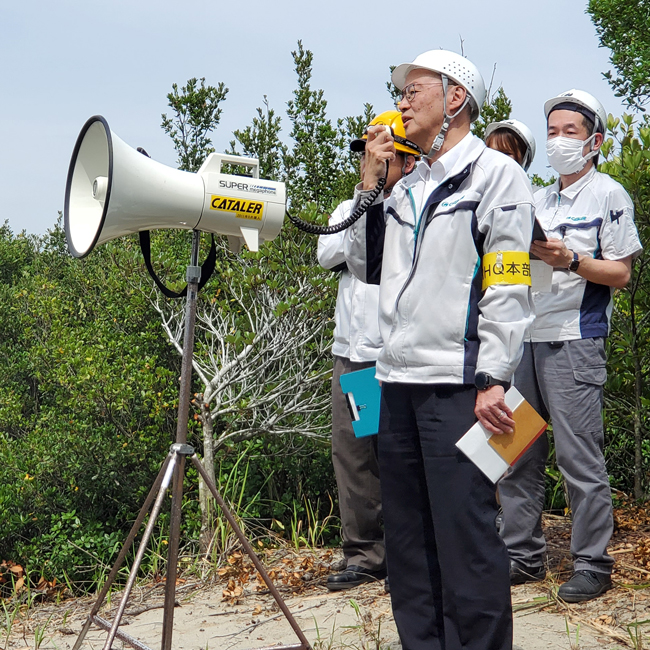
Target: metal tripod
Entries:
(173, 471)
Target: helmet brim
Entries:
(595, 111)
(400, 73)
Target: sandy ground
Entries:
(234, 611)
(355, 619)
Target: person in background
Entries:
(588, 219)
(514, 139)
(356, 346)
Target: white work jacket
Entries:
(425, 245)
(356, 331)
(594, 216)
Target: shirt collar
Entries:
(574, 189)
(443, 167)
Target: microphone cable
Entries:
(361, 209)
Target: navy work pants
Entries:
(448, 567)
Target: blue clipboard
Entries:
(363, 394)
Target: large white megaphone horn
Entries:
(113, 190)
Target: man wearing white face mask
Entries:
(592, 240)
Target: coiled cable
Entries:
(361, 209)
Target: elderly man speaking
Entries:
(449, 250)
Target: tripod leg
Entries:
(141, 549)
(172, 555)
(193, 276)
(251, 553)
(125, 549)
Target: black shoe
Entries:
(520, 574)
(386, 586)
(353, 576)
(585, 585)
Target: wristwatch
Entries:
(482, 381)
(575, 262)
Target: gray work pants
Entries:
(357, 478)
(563, 380)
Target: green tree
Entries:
(537, 181)
(197, 112)
(318, 167)
(87, 391)
(627, 160)
(497, 107)
(261, 140)
(349, 129)
(313, 163)
(260, 353)
(394, 92)
(19, 395)
(624, 28)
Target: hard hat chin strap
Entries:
(440, 138)
(592, 152)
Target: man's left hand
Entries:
(492, 411)
(554, 252)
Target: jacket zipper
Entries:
(416, 230)
(416, 250)
(417, 235)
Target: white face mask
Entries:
(565, 154)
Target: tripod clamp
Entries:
(181, 449)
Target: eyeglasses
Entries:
(409, 92)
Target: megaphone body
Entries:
(113, 190)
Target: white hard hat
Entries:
(523, 132)
(454, 66)
(583, 99)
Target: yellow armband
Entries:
(506, 267)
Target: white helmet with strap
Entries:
(523, 132)
(450, 66)
(582, 102)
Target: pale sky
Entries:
(62, 62)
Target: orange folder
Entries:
(529, 425)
